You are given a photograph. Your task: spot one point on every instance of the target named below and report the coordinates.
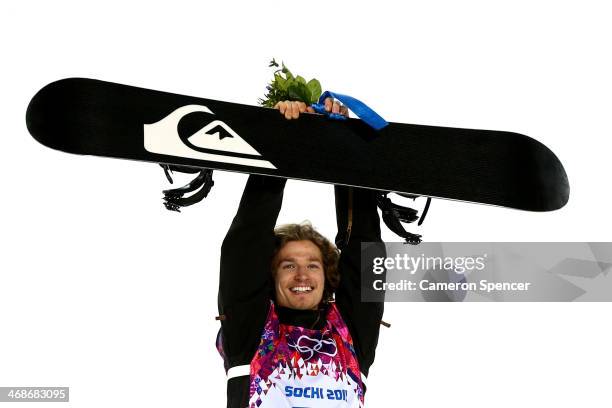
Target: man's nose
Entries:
(302, 272)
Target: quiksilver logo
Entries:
(216, 141)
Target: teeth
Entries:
(301, 289)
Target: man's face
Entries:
(300, 278)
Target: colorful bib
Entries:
(299, 367)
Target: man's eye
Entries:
(288, 266)
(313, 266)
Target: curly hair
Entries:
(305, 231)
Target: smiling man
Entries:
(298, 275)
(294, 331)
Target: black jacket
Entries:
(246, 286)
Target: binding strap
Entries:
(424, 213)
(173, 198)
(393, 215)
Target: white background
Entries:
(104, 291)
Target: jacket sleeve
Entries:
(358, 221)
(245, 283)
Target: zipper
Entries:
(349, 225)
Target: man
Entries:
(284, 339)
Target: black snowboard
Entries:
(86, 116)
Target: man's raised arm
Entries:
(358, 221)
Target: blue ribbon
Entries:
(363, 111)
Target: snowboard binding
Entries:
(173, 198)
(394, 215)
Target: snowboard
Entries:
(93, 117)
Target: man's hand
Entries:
(292, 109)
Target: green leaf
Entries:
(286, 71)
(314, 86)
(299, 92)
(300, 79)
(280, 82)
